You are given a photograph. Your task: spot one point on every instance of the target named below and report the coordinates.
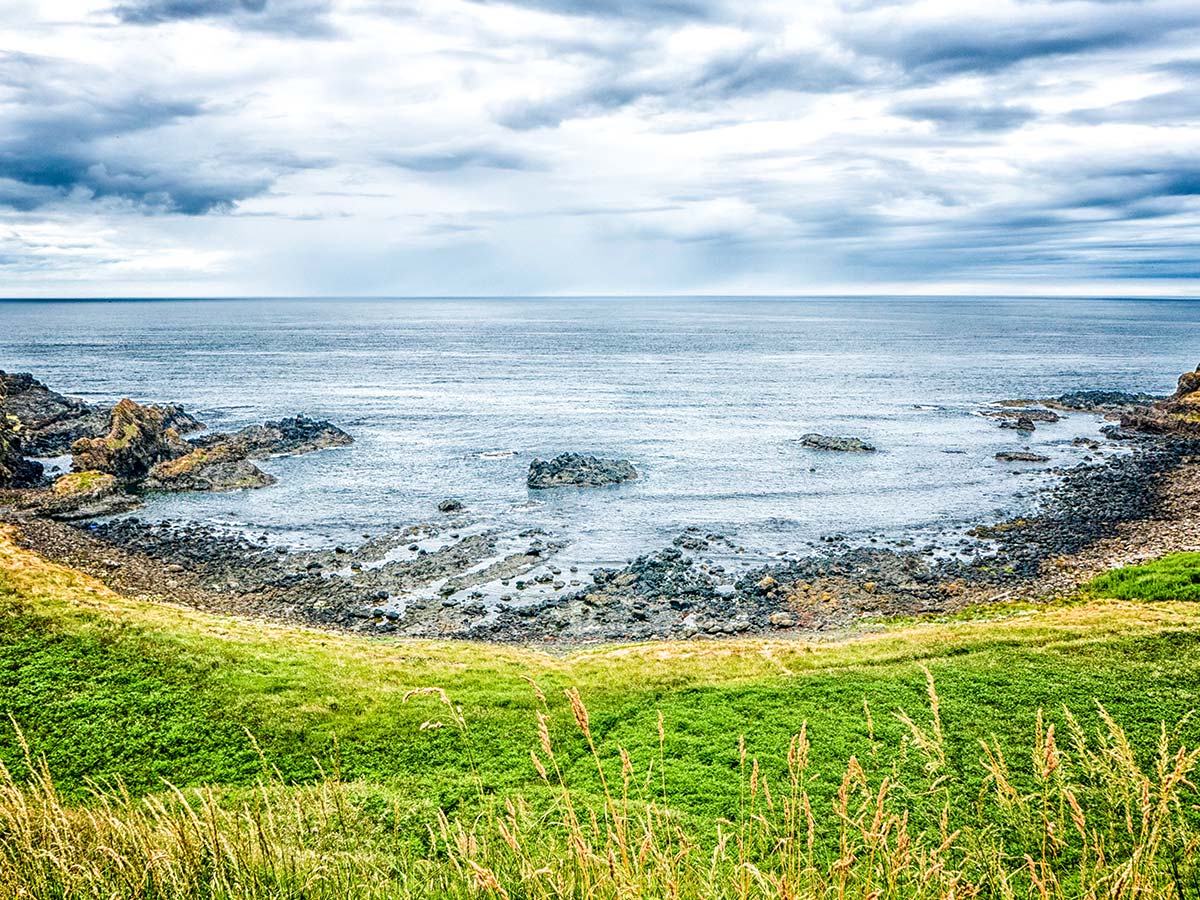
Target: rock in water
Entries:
(219, 468)
(840, 444)
(574, 469)
(1022, 457)
(283, 438)
(138, 438)
(451, 505)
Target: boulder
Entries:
(1015, 414)
(138, 438)
(782, 620)
(451, 505)
(219, 468)
(839, 444)
(286, 437)
(577, 470)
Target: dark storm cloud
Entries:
(966, 117)
(66, 134)
(302, 18)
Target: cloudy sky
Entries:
(388, 147)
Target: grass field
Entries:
(1174, 577)
(107, 688)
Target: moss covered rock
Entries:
(138, 438)
(218, 468)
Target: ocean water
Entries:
(453, 398)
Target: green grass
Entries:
(1174, 577)
(109, 687)
(112, 689)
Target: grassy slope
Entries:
(1174, 577)
(110, 686)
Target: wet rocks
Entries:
(1016, 413)
(450, 505)
(1101, 401)
(287, 437)
(1021, 456)
(138, 438)
(840, 444)
(577, 470)
(203, 469)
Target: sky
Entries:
(481, 147)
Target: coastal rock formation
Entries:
(1178, 414)
(138, 438)
(286, 437)
(220, 468)
(52, 422)
(574, 469)
(450, 505)
(1100, 401)
(1022, 456)
(1020, 411)
(84, 495)
(15, 469)
(839, 444)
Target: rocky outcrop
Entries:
(85, 495)
(287, 437)
(1016, 413)
(220, 468)
(576, 470)
(1022, 456)
(51, 422)
(839, 444)
(222, 462)
(1100, 401)
(15, 469)
(1177, 415)
(139, 437)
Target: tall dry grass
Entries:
(1077, 817)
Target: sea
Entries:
(707, 396)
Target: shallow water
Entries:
(706, 396)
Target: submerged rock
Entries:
(839, 444)
(139, 437)
(574, 469)
(1018, 413)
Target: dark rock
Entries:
(1021, 456)
(451, 506)
(204, 469)
(839, 444)
(52, 422)
(574, 469)
(286, 437)
(1018, 413)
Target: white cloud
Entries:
(597, 145)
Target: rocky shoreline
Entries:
(455, 578)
